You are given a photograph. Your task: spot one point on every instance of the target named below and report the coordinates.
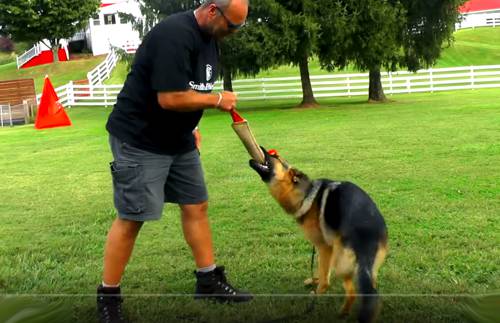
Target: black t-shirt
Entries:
(174, 56)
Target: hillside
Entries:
(480, 46)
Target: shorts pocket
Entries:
(129, 188)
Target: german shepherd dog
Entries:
(341, 221)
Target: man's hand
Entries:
(227, 101)
(197, 138)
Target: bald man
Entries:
(155, 143)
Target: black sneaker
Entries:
(213, 285)
(109, 305)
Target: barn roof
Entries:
(480, 5)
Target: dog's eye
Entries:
(295, 179)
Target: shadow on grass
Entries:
(266, 308)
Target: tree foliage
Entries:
(429, 25)
(370, 35)
(298, 20)
(255, 47)
(154, 11)
(387, 34)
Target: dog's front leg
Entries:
(312, 281)
(324, 265)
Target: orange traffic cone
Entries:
(50, 113)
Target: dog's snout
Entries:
(264, 170)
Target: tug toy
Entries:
(242, 129)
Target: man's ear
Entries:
(212, 9)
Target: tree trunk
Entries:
(228, 81)
(55, 52)
(376, 92)
(308, 100)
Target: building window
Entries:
(110, 19)
(96, 20)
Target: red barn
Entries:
(479, 13)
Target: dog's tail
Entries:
(369, 296)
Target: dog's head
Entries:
(288, 185)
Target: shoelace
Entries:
(228, 288)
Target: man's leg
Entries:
(211, 282)
(196, 228)
(119, 246)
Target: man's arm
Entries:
(187, 101)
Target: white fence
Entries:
(432, 80)
(17, 114)
(28, 55)
(103, 71)
(334, 85)
(5, 115)
(130, 46)
(71, 95)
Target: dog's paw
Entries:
(343, 315)
(311, 281)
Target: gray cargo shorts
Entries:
(144, 181)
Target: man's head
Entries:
(221, 18)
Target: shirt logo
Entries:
(202, 87)
(209, 72)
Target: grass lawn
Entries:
(7, 57)
(430, 161)
(480, 46)
(60, 73)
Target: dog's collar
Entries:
(308, 200)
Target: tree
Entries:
(155, 10)
(53, 20)
(365, 34)
(429, 24)
(299, 18)
(255, 47)
(391, 34)
(260, 45)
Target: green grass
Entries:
(430, 161)
(6, 58)
(118, 75)
(60, 73)
(480, 46)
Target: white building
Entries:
(106, 28)
(480, 13)
(104, 31)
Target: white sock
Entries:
(109, 286)
(206, 269)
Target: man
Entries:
(154, 140)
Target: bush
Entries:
(125, 57)
(6, 44)
(21, 47)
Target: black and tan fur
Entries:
(342, 222)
